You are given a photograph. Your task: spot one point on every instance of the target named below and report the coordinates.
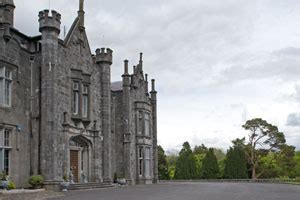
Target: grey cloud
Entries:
(293, 119)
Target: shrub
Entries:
(36, 180)
(11, 185)
(3, 176)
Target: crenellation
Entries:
(52, 22)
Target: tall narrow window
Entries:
(75, 98)
(140, 123)
(6, 138)
(147, 124)
(147, 162)
(140, 161)
(6, 161)
(5, 86)
(85, 104)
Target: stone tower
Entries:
(50, 29)
(104, 62)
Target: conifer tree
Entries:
(163, 171)
(185, 165)
(235, 164)
(210, 168)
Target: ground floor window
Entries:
(5, 150)
(141, 161)
(147, 162)
(144, 164)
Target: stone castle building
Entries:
(60, 113)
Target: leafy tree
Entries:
(263, 138)
(185, 165)
(235, 164)
(296, 171)
(163, 172)
(210, 168)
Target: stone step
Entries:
(83, 186)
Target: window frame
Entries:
(5, 149)
(6, 92)
(147, 162)
(141, 161)
(75, 97)
(85, 100)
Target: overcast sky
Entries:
(217, 62)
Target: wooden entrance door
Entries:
(74, 164)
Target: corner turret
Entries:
(51, 23)
(104, 55)
(104, 60)
(7, 8)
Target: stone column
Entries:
(126, 123)
(154, 130)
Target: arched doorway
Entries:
(80, 154)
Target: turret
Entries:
(104, 61)
(104, 56)
(7, 8)
(49, 23)
(50, 29)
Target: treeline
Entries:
(264, 154)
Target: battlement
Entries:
(49, 22)
(104, 55)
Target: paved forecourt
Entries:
(191, 191)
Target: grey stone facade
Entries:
(60, 113)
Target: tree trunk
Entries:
(253, 173)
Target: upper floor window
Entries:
(140, 123)
(75, 98)
(5, 86)
(6, 138)
(147, 124)
(85, 103)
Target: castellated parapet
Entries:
(49, 22)
(104, 55)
